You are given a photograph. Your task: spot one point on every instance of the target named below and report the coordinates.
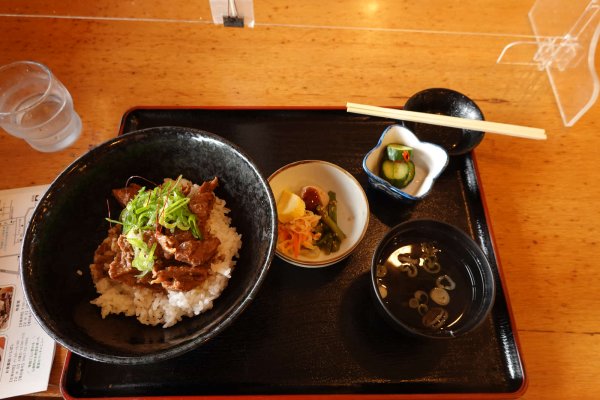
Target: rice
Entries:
(154, 308)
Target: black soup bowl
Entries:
(430, 280)
(70, 222)
(445, 102)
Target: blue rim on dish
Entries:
(381, 184)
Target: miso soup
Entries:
(424, 284)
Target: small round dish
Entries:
(429, 279)
(352, 204)
(430, 161)
(445, 102)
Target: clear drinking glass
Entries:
(36, 107)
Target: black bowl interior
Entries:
(69, 223)
(445, 102)
(459, 257)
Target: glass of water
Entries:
(36, 107)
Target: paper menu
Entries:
(26, 351)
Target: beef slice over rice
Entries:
(187, 273)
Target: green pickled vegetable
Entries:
(398, 168)
(331, 223)
(332, 234)
(399, 152)
(332, 206)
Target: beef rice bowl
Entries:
(169, 255)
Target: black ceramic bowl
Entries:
(445, 102)
(429, 279)
(69, 223)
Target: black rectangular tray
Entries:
(316, 332)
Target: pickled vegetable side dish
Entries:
(397, 167)
(307, 223)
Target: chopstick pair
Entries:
(452, 122)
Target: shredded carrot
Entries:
(298, 234)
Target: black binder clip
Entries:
(232, 19)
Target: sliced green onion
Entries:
(143, 256)
(440, 296)
(164, 205)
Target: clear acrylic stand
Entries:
(566, 36)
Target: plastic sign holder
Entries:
(566, 36)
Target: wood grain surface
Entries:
(542, 197)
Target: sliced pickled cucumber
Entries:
(397, 172)
(399, 152)
(387, 170)
(411, 173)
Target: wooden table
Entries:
(542, 197)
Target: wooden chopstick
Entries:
(452, 122)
